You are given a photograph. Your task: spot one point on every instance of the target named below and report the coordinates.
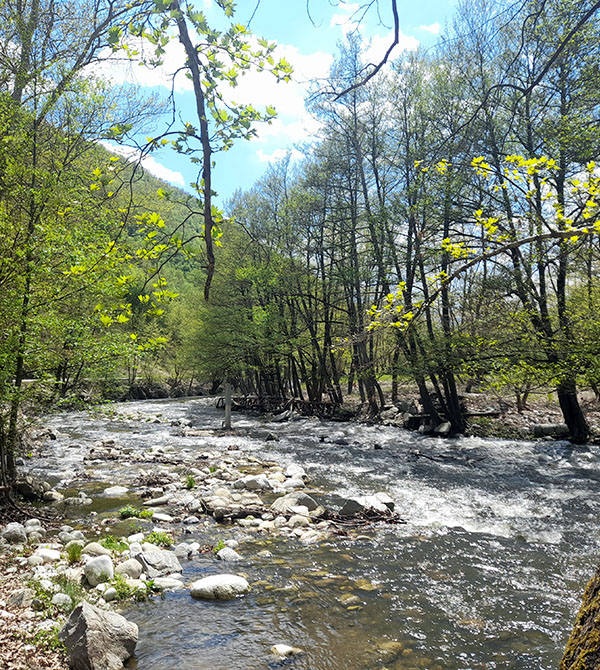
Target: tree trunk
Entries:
(571, 410)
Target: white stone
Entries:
(99, 569)
(62, 600)
(115, 491)
(161, 516)
(95, 549)
(295, 471)
(284, 650)
(219, 587)
(168, 583)
(131, 568)
(228, 554)
(47, 555)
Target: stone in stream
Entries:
(284, 650)
(253, 483)
(115, 491)
(155, 502)
(284, 504)
(296, 471)
(161, 516)
(228, 554)
(158, 562)
(99, 570)
(98, 640)
(219, 587)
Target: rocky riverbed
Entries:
(128, 541)
(481, 564)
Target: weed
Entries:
(47, 639)
(212, 468)
(126, 592)
(220, 545)
(114, 544)
(190, 482)
(160, 539)
(74, 553)
(71, 588)
(129, 511)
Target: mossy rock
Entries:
(583, 648)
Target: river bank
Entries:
(486, 572)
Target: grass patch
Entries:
(190, 482)
(129, 511)
(127, 592)
(220, 545)
(74, 553)
(161, 539)
(114, 544)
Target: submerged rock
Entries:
(98, 640)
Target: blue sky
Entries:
(310, 46)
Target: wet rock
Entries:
(183, 550)
(284, 650)
(168, 583)
(295, 471)
(99, 570)
(98, 640)
(161, 516)
(293, 483)
(15, 533)
(156, 502)
(284, 504)
(219, 587)
(53, 496)
(130, 568)
(228, 554)
(386, 500)
(115, 491)
(189, 520)
(157, 562)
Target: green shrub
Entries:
(129, 511)
(159, 538)
(190, 482)
(220, 545)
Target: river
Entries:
(487, 572)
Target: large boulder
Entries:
(159, 562)
(583, 647)
(284, 504)
(98, 640)
(31, 488)
(131, 568)
(219, 587)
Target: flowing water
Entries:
(487, 572)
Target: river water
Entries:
(487, 572)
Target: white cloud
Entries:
(148, 163)
(434, 28)
(347, 20)
(381, 43)
(278, 155)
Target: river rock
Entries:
(169, 583)
(228, 554)
(298, 521)
(293, 483)
(32, 523)
(98, 640)
(253, 483)
(158, 562)
(114, 491)
(95, 549)
(22, 598)
(284, 650)
(47, 555)
(161, 516)
(99, 570)
(130, 568)
(190, 520)
(62, 600)
(284, 504)
(156, 502)
(295, 471)
(53, 496)
(219, 587)
(15, 533)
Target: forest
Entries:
(441, 231)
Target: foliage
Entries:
(159, 538)
(74, 552)
(115, 544)
(129, 511)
